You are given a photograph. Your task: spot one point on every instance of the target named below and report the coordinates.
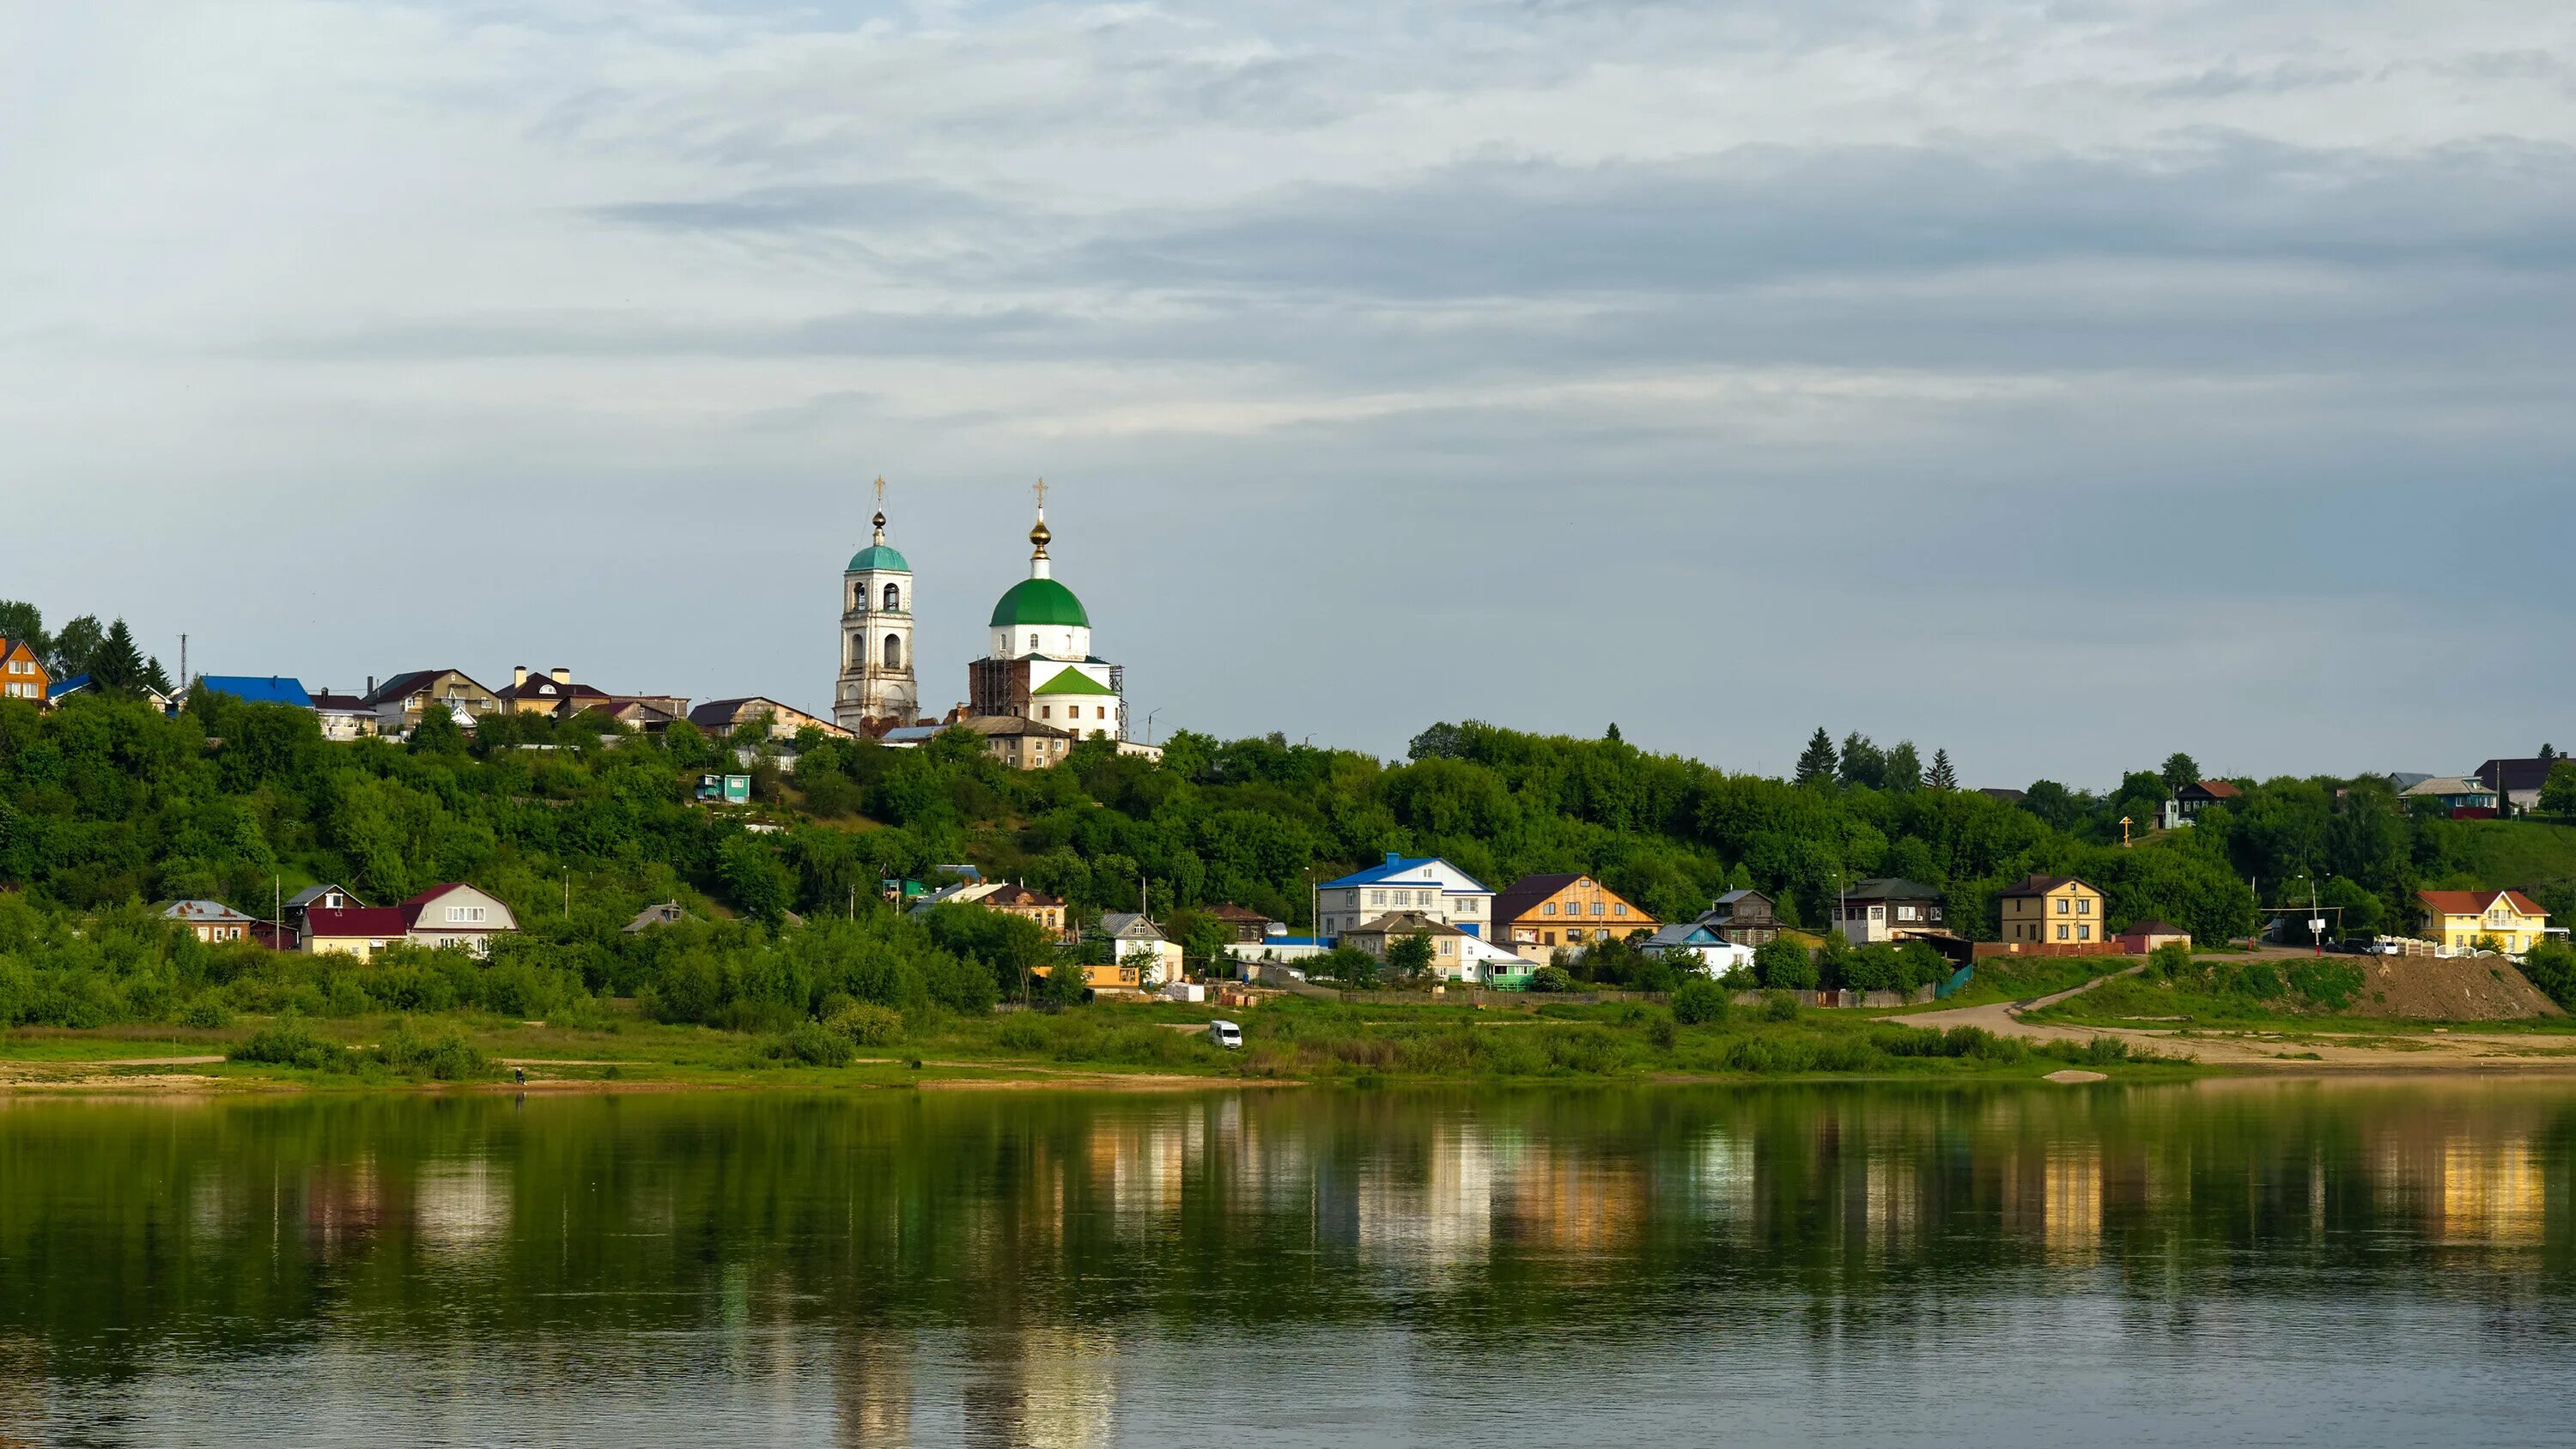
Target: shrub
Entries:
(815, 1044)
(1701, 1002)
(2170, 960)
(446, 1057)
(2552, 968)
(1662, 1031)
(1779, 1006)
(1551, 978)
(866, 1024)
(206, 1010)
(288, 1042)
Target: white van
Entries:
(1226, 1034)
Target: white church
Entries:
(1041, 669)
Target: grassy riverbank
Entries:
(1290, 1040)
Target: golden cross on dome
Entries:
(1041, 492)
(880, 492)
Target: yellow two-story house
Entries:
(22, 672)
(2054, 910)
(2457, 919)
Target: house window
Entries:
(2083, 906)
(1547, 938)
(1878, 913)
(2084, 933)
(2061, 905)
(1102, 711)
(2061, 930)
(1551, 908)
(1598, 908)
(1620, 909)
(1033, 643)
(1046, 711)
(1377, 898)
(465, 914)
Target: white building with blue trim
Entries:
(1427, 884)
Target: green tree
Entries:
(1863, 763)
(26, 621)
(2558, 792)
(1408, 958)
(437, 733)
(118, 665)
(1701, 1002)
(1065, 986)
(2179, 770)
(76, 647)
(760, 884)
(1943, 775)
(1816, 763)
(1784, 965)
(1904, 768)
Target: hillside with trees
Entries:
(105, 805)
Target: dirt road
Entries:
(2322, 1050)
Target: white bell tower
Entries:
(876, 685)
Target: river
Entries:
(2327, 1263)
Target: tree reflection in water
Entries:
(1030, 1269)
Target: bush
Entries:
(1551, 978)
(815, 1044)
(2552, 968)
(445, 1057)
(1701, 1002)
(1662, 1031)
(866, 1024)
(1779, 1006)
(2169, 961)
(205, 1011)
(288, 1042)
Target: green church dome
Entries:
(878, 556)
(1040, 601)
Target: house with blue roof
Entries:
(1405, 883)
(257, 689)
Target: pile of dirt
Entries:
(2468, 988)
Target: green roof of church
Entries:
(1040, 601)
(878, 556)
(1072, 681)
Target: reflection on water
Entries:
(2387, 1261)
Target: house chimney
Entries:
(518, 675)
(560, 675)
(371, 687)
(1392, 857)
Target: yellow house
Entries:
(2458, 919)
(2054, 910)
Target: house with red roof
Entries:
(2199, 795)
(359, 931)
(2458, 920)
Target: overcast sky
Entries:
(2062, 384)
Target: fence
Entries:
(2050, 948)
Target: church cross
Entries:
(1041, 492)
(881, 493)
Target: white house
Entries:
(1130, 933)
(1701, 948)
(456, 915)
(1430, 885)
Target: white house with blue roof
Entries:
(1427, 884)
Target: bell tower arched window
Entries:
(894, 651)
(893, 598)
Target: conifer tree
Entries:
(1944, 776)
(119, 665)
(1816, 765)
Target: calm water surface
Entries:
(2334, 1264)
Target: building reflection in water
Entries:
(872, 1390)
(1042, 1388)
(23, 1392)
(2491, 1193)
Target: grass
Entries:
(2009, 978)
(2521, 852)
(1292, 1039)
(2141, 1001)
